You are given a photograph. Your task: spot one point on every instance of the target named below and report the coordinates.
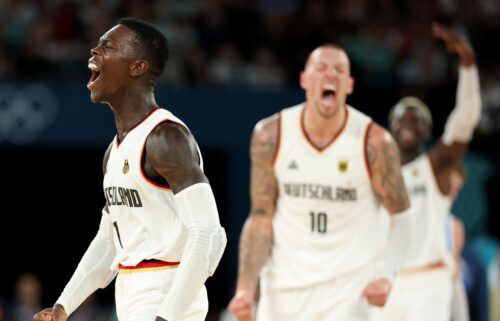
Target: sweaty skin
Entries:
(326, 67)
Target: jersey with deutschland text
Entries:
(327, 220)
(430, 209)
(144, 213)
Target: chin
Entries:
(95, 98)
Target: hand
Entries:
(377, 292)
(455, 43)
(242, 305)
(56, 313)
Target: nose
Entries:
(94, 51)
(332, 72)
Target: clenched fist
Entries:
(242, 306)
(377, 292)
(56, 313)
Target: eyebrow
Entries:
(104, 41)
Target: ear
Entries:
(302, 80)
(350, 86)
(138, 68)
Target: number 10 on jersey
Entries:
(319, 222)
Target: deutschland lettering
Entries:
(121, 196)
(321, 192)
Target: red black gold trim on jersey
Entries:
(148, 266)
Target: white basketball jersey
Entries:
(429, 211)
(144, 214)
(327, 220)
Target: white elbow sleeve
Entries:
(198, 212)
(203, 252)
(465, 117)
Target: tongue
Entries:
(328, 99)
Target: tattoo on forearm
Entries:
(255, 248)
(257, 235)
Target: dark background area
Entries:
(233, 63)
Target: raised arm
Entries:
(172, 153)
(257, 234)
(465, 116)
(93, 271)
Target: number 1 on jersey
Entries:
(318, 222)
(118, 233)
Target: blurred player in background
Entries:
(315, 234)
(423, 289)
(160, 227)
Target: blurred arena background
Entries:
(233, 62)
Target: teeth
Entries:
(329, 87)
(93, 66)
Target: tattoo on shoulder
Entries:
(388, 182)
(263, 180)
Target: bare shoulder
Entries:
(265, 137)
(378, 136)
(106, 158)
(171, 150)
(170, 135)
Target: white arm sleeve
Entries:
(204, 249)
(465, 117)
(398, 242)
(93, 271)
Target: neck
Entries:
(130, 108)
(322, 129)
(409, 154)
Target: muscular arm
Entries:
(257, 234)
(464, 117)
(385, 168)
(171, 151)
(173, 154)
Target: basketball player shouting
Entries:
(315, 235)
(423, 290)
(160, 228)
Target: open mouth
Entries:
(407, 135)
(328, 94)
(95, 73)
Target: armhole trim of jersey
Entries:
(365, 145)
(278, 140)
(434, 176)
(147, 179)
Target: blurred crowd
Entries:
(258, 43)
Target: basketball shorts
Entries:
(337, 299)
(140, 292)
(423, 296)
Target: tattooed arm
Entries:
(388, 185)
(172, 153)
(257, 234)
(385, 168)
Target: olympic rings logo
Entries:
(25, 112)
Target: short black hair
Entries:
(152, 43)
